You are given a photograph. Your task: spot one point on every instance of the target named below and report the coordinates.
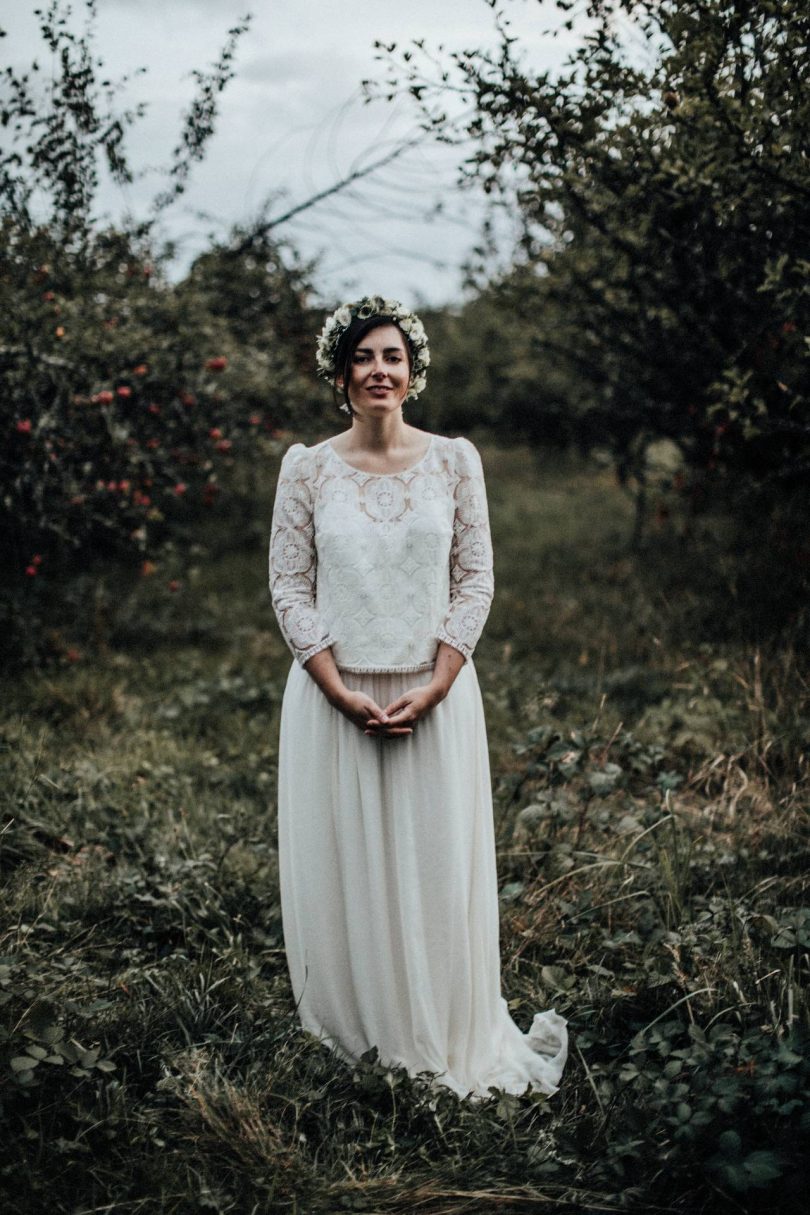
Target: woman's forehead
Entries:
(389, 337)
(389, 334)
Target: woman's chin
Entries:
(386, 404)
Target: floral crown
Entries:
(374, 305)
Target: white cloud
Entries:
(292, 120)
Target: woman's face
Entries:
(380, 372)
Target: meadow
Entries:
(648, 739)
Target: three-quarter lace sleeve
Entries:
(471, 577)
(293, 560)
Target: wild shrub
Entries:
(126, 400)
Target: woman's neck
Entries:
(380, 435)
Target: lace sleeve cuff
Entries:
(304, 656)
(464, 650)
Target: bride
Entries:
(380, 573)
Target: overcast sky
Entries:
(292, 122)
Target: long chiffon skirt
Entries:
(389, 891)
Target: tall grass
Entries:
(650, 788)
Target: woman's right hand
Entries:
(361, 710)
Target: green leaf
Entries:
(50, 1034)
(511, 891)
(730, 1143)
(603, 781)
(762, 1168)
(733, 1175)
(556, 977)
(23, 1063)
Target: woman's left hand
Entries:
(404, 712)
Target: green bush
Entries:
(660, 287)
(126, 401)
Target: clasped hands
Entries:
(398, 718)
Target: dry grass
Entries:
(657, 904)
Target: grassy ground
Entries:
(651, 797)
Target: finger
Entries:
(396, 706)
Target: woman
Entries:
(381, 580)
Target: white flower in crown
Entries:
(374, 305)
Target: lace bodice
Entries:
(381, 566)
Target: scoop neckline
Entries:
(366, 473)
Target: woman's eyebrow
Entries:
(386, 350)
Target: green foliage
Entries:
(654, 889)
(485, 372)
(662, 282)
(678, 1084)
(126, 400)
(692, 1084)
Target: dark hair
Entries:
(349, 342)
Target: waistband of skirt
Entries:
(402, 669)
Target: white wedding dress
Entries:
(386, 846)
